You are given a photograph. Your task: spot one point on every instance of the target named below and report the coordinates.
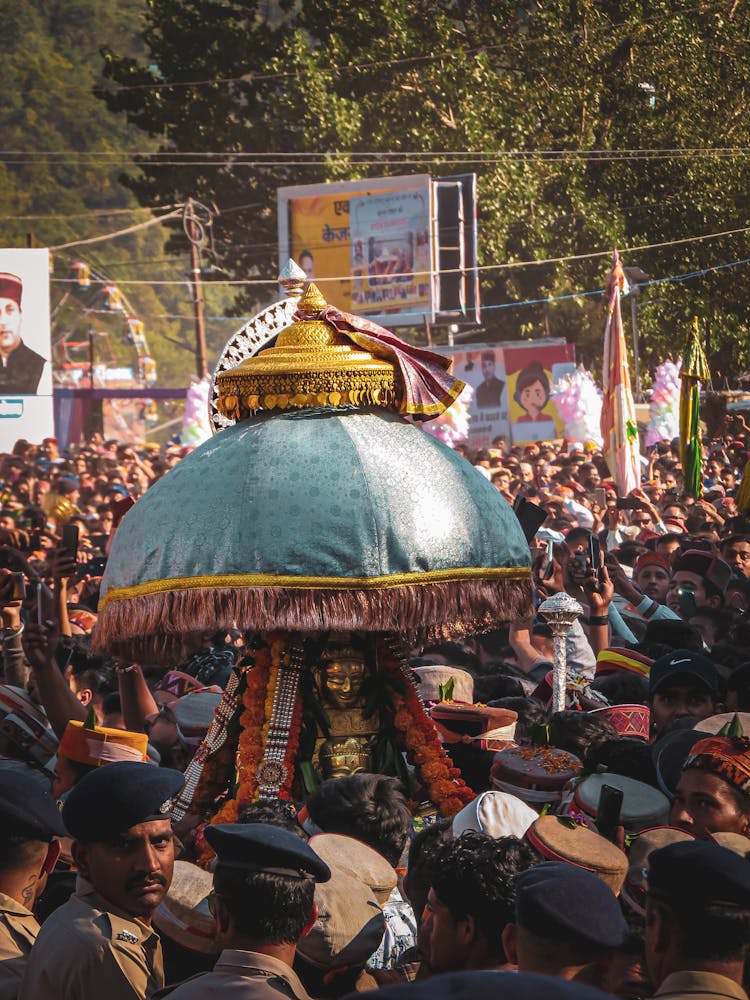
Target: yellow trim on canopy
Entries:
(248, 580)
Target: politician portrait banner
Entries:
(25, 348)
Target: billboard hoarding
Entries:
(399, 250)
(510, 389)
(390, 256)
(25, 371)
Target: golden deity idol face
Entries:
(342, 677)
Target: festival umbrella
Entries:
(618, 422)
(323, 506)
(694, 371)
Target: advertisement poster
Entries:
(25, 371)
(320, 244)
(510, 389)
(483, 368)
(390, 248)
(531, 371)
(315, 230)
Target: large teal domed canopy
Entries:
(318, 519)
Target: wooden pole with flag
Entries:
(694, 371)
(618, 421)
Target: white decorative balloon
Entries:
(664, 412)
(579, 403)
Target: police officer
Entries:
(264, 887)
(29, 825)
(697, 921)
(568, 923)
(101, 943)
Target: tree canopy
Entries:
(589, 123)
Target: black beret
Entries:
(260, 847)
(28, 810)
(486, 985)
(108, 801)
(561, 901)
(696, 874)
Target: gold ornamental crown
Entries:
(310, 365)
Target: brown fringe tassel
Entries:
(152, 629)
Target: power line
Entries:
(120, 232)
(485, 268)
(92, 213)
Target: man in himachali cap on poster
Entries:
(20, 367)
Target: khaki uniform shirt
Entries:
(87, 949)
(699, 986)
(246, 975)
(18, 931)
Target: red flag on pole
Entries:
(618, 422)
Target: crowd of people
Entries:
(606, 849)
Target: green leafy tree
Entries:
(369, 85)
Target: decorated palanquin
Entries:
(324, 523)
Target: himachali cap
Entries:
(183, 915)
(660, 559)
(489, 728)
(260, 847)
(558, 838)
(496, 814)
(715, 723)
(642, 805)
(26, 810)
(628, 720)
(350, 855)
(14, 699)
(635, 889)
(24, 725)
(558, 901)
(726, 756)
(431, 676)
(98, 745)
(614, 659)
(736, 842)
(83, 618)
(11, 287)
(534, 773)
(194, 713)
(107, 802)
(349, 926)
(704, 564)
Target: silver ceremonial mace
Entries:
(560, 612)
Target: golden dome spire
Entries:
(310, 365)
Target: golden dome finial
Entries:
(310, 365)
(312, 300)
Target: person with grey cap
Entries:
(30, 824)
(101, 943)
(263, 903)
(697, 921)
(568, 923)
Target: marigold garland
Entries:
(254, 723)
(435, 770)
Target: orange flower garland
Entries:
(254, 722)
(435, 770)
